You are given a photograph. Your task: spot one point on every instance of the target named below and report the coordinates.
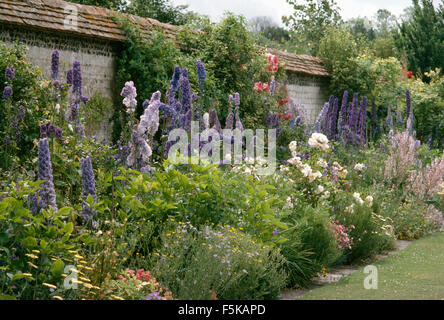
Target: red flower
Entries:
(258, 87)
(288, 116)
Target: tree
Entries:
(385, 21)
(268, 33)
(109, 4)
(161, 10)
(422, 37)
(362, 27)
(310, 20)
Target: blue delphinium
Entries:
(342, 113)
(374, 119)
(55, 63)
(76, 78)
(89, 187)
(186, 91)
(201, 74)
(9, 73)
(69, 76)
(47, 193)
(7, 92)
(214, 120)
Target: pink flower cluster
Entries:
(141, 275)
(259, 87)
(341, 235)
(273, 63)
(424, 183)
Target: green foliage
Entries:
(309, 21)
(32, 246)
(161, 10)
(148, 62)
(29, 92)
(428, 107)
(109, 4)
(199, 194)
(220, 262)
(422, 37)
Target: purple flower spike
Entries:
(76, 78)
(237, 99)
(201, 74)
(7, 92)
(69, 76)
(186, 91)
(59, 133)
(9, 73)
(89, 187)
(55, 63)
(47, 193)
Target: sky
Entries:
(277, 8)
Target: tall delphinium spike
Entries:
(342, 114)
(374, 120)
(129, 94)
(47, 193)
(201, 74)
(408, 101)
(55, 63)
(272, 86)
(174, 85)
(214, 120)
(334, 119)
(89, 188)
(186, 92)
(325, 122)
(410, 124)
(352, 118)
(361, 128)
(321, 116)
(69, 76)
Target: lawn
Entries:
(414, 273)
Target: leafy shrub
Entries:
(33, 246)
(21, 112)
(371, 233)
(222, 261)
(410, 221)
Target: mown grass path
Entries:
(414, 273)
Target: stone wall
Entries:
(310, 91)
(96, 56)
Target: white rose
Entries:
(350, 209)
(322, 163)
(319, 190)
(369, 199)
(314, 175)
(306, 170)
(318, 140)
(357, 197)
(326, 195)
(359, 167)
(292, 146)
